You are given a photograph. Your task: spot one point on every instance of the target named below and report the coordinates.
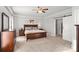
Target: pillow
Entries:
(28, 28)
(34, 28)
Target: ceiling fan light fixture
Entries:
(40, 11)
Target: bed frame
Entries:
(34, 35)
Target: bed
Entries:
(32, 32)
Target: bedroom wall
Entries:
(7, 12)
(49, 22)
(44, 23)
(19, 22)
(49, 25)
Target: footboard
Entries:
(36, 35)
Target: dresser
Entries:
(77, 37)
(7, 41)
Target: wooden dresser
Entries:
(77, 37)
(7, 41)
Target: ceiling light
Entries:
(40, 11)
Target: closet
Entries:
(67, 28)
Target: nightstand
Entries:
(21, 32)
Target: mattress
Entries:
(33, 31)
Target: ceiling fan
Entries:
(40, 9)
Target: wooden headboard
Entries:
(29, 25)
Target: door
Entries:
(67, 28)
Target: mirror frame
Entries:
(3, 14)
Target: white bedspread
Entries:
(33, 31)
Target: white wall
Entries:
(67, 28)
(49, 23)
(19, 22)
(7, 12)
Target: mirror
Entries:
(5, 22)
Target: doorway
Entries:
(59, 27)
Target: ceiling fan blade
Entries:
(40, 9)
(45, 9)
